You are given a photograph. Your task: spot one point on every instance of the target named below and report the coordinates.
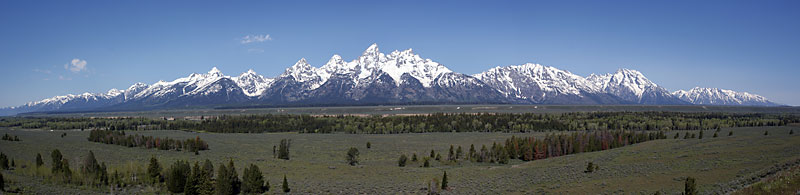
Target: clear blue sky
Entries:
(749, 46)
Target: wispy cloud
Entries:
(76, 65)
(256, 38)
(42, 71)
(255, 50)
(61, 77)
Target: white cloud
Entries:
(256, 38)
(76, 65)
(255, 50)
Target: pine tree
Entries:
(286, 185)
(438, 157)
(177, 176)
(472, 152)
(252, 180)
(426, 163)
(352, 156)
(13, 164)
(206, 178)
(766, 132)
(56, 156)
(414, 157)
(65, 170)
(690, 187)
(444, 181)
(730, 133)
(2, 183)
(701, 135)
(791, 131)
(193, 181)
(154, 170)
(451, 155)
(433, 154)
(459, 153)
(39, 161)
(236, 184)
(283, 149)
(715, 135)
(223, 184)
(677, 135)
(369, 145)
(402, 161)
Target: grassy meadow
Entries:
(318, 165)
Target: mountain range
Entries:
(399, 77)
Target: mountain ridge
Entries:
(400, 77)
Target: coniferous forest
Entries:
(437, 122)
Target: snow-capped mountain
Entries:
(400, 77)
(540, 84)
(633, 86)
(715, 96)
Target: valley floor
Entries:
(318, 166)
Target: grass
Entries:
(318, 163)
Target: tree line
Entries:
(119, 138)
(436, 122)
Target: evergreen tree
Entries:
(352, 156)
(206, 178)
(451, 155)
(701, 135)
(223, 185)
(459, 153)
(2, 183)
(154, 170)
(677, 135)
(13, 164)
(369, 145)
(730, 133)
(283, 149)
(39, 160)
(286, 185)
(444, 181)
(402, 161)
(426, 163)
(90, 165)
(472, 152)
(690, 187)
(65, 170)
(236, 184)
(791, 131)
(686, 136)
(438, 157)
(414, 157)
(177, 176)
(252, 180)
(433, 154)
(715, 135)
(766, 132)
(589, 168)
(56, 156)
(193, 181)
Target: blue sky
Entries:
(749, 46)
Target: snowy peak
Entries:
(252, 83)
(214, 71)
(627, 81)
(715, 96)
(372, 50)
(301, 71)
(535, 82)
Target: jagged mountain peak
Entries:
(717, 96)
(371, 50)
(214, 71)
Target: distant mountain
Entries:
(538, 84)
(375, 78)
(633, 86)
(715, 96)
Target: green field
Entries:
(318, 164)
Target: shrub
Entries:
(369, 145)
(766, 132)
(402, 161)
(352, 156)
(589, 168)
(730, 133)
